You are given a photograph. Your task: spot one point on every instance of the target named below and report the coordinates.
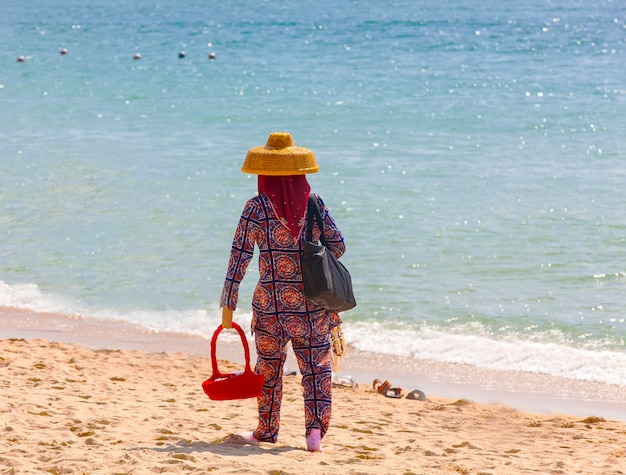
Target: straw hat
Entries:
(280, 157)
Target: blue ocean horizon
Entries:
(471, 152)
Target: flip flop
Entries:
(395, 393)
(417, 395)
(345, 381)
(381, 387)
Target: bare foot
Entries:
(314, 441)
(249, 438)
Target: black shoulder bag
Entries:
(326, 280)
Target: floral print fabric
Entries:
(279, 291)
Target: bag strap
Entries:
(216, 371)
(313, 212)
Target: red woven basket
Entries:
(223, 387)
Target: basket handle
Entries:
(244, 341)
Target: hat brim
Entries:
(280, 162)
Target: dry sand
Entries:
(69, 409)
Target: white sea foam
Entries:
(30, 297)
(465, 344)
(198, 322)
(552, 356)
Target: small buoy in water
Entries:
(181, 54)
(137, 56)
(211, 55)
(63, 51)
(21, 59)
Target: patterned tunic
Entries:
(279, 291)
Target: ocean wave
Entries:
(30, 297)
(197, 322)
(549, 353)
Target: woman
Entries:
(275, 220)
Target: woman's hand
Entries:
(227, 318)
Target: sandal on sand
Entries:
(395, 393)
(417, 395)
(347, 381)
(379, 386)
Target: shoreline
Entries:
(89, 407)
(524, 391)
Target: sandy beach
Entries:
(127, 406)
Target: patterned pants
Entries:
(313, 356)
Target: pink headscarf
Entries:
(290, 196)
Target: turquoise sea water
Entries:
(473, 152)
